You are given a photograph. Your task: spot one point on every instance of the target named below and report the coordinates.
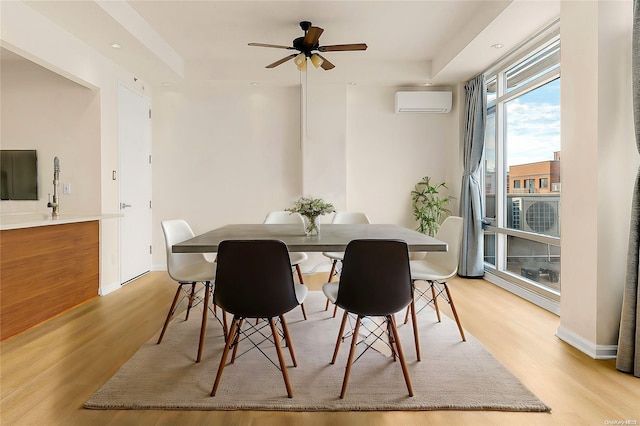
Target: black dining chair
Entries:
(265, 290)
(375, 282)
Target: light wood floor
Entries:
(49, 371)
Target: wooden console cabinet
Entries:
(46, 270)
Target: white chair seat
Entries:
(297, 257)
(196, 272)
(301, 292)
(334, 255)
(424, 270)
(330, 290)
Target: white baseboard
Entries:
(104, 290)
(583, 345)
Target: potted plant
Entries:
(429, 207)
(311, 209)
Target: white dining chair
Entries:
(437, 267)
(281, 217)
(342, 218)
(187, 269)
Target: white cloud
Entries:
(533, 131)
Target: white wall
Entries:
(231, 153)
(223, 154)
(324, 140)
(599, 163)
(388, 153)
(44, 111)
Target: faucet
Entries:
(56, 181)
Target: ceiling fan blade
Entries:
(343, 47)
(281, 61)
(313, 35)
(326, 65)
(277, 46)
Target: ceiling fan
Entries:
(308, 46)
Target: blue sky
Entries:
(533, 125)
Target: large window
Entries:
(522, 168)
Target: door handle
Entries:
(124, 206)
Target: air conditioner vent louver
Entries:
(423, 102)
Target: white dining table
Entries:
(332, 237)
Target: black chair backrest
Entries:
(254, 279)
(375, 277)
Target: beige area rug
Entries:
(453, 375)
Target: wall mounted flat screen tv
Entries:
(18, 174)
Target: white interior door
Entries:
(135, 184)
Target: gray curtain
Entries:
(472, 253)
(628, 359)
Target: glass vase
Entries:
(311, 225)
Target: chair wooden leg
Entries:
(170, 314)
(333, 269)
(225, 353)
(406, 315)
(287, 338)
(299, 272)
(405, 372)
(225, 326)
(283, 367)
(335, 310)
(413, 299)
(237, 339)
(455, 313)
(435, 299)
(352, 351)
(391, 339)
(301, 281)
(304, 311)
(414, 323)
(192, 296)
(203, 327)
(342, 325)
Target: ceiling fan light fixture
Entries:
(299, 60)
(307, 44)
(316, 60)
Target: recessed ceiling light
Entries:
(497, 46)
(166, 83)
(115, 45)
(427, 84)
(352, 83)
(253, 83)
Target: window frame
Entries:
(498, 226)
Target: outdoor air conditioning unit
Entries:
(536, 214)
(433, 102)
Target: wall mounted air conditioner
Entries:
(433, 102)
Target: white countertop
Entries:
(29, 220)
